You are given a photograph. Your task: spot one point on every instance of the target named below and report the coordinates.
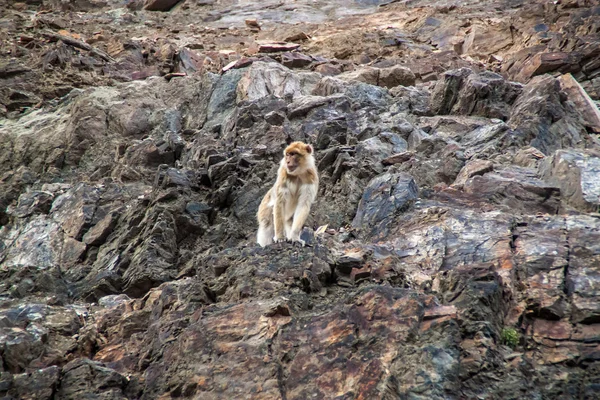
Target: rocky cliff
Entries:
(454, 249)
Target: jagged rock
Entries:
(368, 75)
(542, 63)
(583, 275)
(414, 100)
(544, 119)
(576, 173)
(263, 79)
(160, 5)
(98, 233)
(302, 105)
(528, 157)
(376, 149)
(396, 76)
(516, 188)
(328, 69)
(385, 197)
(464, 92)
(146, 263)
(39, 384)
(398, 158)
(82, 377)
(472, 168)
(75, 209)
(589, 110)
(274, 47)
(33, 203)
(295, 60)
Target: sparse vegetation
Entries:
(510, 337)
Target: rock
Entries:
(128, 263)
(190, 62)
(274, 47)
(36, 244)
(75, 209)
(365, 74)
(398, 158)
(396, 76)
(543, 119)
(40, 384)
(385, 197)
(98, 233)
(160, 5)
(463, 92)
(589, 110)
(295, 60)
(542, 63)
(472, 168)
(528, 157)
(447, 89)
(252, 23)
(414, 100)
(33, 203)
(302, 105)
(82, 377)
(275, 118)
(263, 79)
(583, 275)
(576, 174)
(378, 148)
(518, 189)
(328, 69)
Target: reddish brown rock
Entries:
(542, 63)
(160, 5)
(328, 69)
(275, 47)
(472, 168)
(398, 158)
(396, 76)
(295, 60)
(587, 107)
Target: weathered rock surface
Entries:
(453, 251)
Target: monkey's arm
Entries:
(302, 210)
(278, 214)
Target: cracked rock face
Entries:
(453, 249)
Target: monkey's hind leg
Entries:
(264, 216)
(264, 236)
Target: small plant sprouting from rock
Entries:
(510, 337)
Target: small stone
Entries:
(396, 76)
(275, 47)
(474, 167)
(295, 60)
(160, 5)
(398, 158)
(328, 69)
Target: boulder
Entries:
(576, 173)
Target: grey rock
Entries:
(576, 173)
(385, 197)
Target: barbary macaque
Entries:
(285, 207)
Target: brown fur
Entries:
(285, 207)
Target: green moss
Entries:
(510, 337)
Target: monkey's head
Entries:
(298, 158)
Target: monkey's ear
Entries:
(309, 148)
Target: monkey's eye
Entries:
(292, 154)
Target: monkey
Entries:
(286, 205)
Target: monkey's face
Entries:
(296, 155)
(293, 160)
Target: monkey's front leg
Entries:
(278, 219)
(299, 218)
